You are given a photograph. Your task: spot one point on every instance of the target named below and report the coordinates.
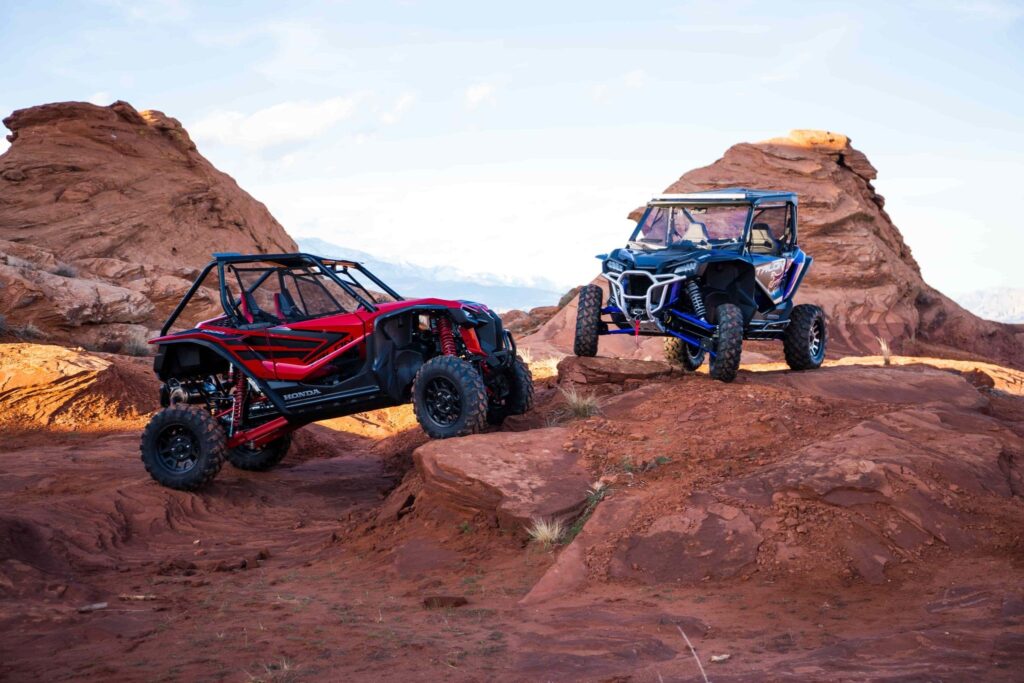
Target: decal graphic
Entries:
(771, 276)
(302, 394)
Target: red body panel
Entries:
(300, 350)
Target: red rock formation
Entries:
(106, 213)
(864, 274)
(61, 389)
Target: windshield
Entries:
(697, 226)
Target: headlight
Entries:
(615, 266)
(688, 268)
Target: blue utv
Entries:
(707, 270)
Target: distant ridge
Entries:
(1001, 304)
(415, 281)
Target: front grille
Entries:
(636, 286)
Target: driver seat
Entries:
(762, 241)
(247, 304)
(285, 306)
(694, 232)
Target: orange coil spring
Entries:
(239, 403)
(444, 331)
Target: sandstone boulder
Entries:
(905, 385)
(890, 487)
(51, 387)
(600, 370)
(708, 540)
(509, 477)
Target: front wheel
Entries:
(520, 394)
(728, 343)
(449, 398)
(183, 447)
(262, 458)
(805, 338)
(678, 352)
(588, 321)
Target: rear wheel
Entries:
(588, 321)
(183, 447)
(728, 343)
(261, 458)
(520, 394)
(805, 338)
(678, 352)
(449, 398)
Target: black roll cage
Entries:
(753, 200)
(327, 266)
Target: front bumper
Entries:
(643, 308)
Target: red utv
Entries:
(304, 338)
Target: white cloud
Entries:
(801, 57)
(101, 98)
(402, 104)
(152, 11)
(481, 93)
(989, 10)
(298, 52)
(284, 122)
(634, 80)
(724, 28)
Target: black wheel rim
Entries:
(694, 354)
(443, 401)
(177, 449)
(816, 340)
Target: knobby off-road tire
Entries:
(728, 343)
(183, 447)
(588, 321)
(261, 458)
(805, 338)
(678, 352)
(449, 398)
(520, 397)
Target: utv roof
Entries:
(296, 259)
(727, 195)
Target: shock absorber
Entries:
(696, 300)
(444, 333)
(238, 402)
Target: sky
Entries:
(513, 139)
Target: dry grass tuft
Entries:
(545, 532)
(275, 672)
(580, 405)
(886, 351)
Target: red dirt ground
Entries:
(293, 575)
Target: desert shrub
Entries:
(567, 297)
(135, 346)
(15, 262)
(595, 494)
(65, 270)
(29, 331)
